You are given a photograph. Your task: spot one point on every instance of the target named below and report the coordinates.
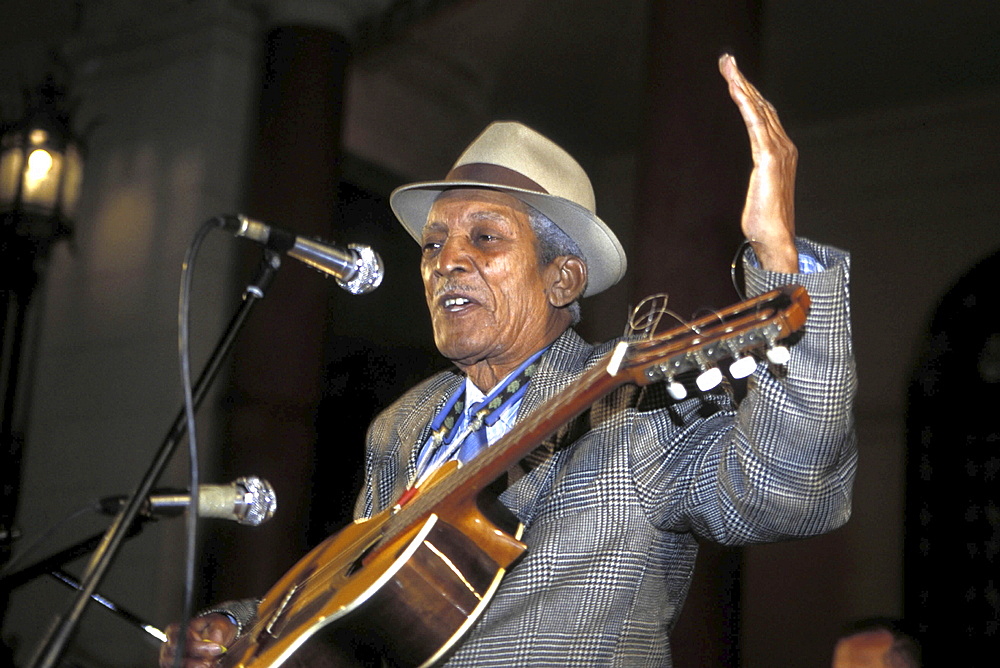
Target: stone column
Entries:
(694, 163)
(278, 363)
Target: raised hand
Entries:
(769, 213)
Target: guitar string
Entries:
(429, 497)
(735, 266)
(387, 530)
(432, 495)
(437, 492)
(721, 316)
(646, 324)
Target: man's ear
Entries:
(568, 279)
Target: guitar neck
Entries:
(748, 326)
(530, 432)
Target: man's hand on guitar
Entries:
(207, 640)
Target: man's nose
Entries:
(454, 256)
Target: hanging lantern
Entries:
(41, 171)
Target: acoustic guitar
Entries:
(407, 584)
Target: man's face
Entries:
(485, 289)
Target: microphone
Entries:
(250, 500)
(357, 269)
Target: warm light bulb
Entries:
(41, 179)
(39, 164)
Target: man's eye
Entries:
(430, 246)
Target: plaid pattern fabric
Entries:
(613, 502)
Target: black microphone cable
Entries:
(184, 354)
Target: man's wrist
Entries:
(782, 259)
(806, 262)
(240, 612)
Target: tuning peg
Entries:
(742, 367)
(676, 390)
(778, 355)
(708, 379)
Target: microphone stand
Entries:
(55, 561)
(122, 612)
(54, 644)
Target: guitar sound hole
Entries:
(359, 563)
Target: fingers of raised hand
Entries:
(767, 135)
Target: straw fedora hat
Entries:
(513, 158)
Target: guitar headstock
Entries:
(731, 335)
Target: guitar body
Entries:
(407, 600)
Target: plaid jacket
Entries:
(612, 516)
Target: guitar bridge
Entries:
(275, 622)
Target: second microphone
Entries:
(249, 500)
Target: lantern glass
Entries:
(40, 181)
(40, 172)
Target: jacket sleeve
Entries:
(780, 464)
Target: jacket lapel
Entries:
(412, 431)
(561, 365)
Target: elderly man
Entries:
(510, 242)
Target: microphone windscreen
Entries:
(219, 501)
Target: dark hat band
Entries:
(486, 173)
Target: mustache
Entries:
(450, 287)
